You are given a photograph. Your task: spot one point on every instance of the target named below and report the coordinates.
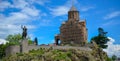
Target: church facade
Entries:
(73, 31)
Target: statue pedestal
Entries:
(24, 45)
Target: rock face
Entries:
(98, 53)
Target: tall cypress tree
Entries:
(36, 41)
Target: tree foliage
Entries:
(2, 49)
(114, 57)
(14, 39)
(101, 39)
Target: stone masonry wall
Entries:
(12, 50)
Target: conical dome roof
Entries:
(73, 8)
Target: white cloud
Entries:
(112, 15)
(40, 2)
(113, 49)
(83, 8)
(12, 29)
(3, 41)
(31, 11)
(46, 23)
(110, 23)
(16, 17)
(63, 9)
(107, 24)
(60, 10)
(11, 23)
(4, 5)
(111, 41)
(19, 4)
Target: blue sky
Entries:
(44, 17)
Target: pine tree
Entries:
(101, 39)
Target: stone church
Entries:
(73, 31)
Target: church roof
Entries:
(73, 8)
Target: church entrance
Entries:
(58, 42)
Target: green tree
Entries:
(109, 59)
(14, 39)
(29, 40)
(2, 53)
(101, 39)
(114, 57)
(2, 49)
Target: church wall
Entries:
(84, 30)
(73, 32)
